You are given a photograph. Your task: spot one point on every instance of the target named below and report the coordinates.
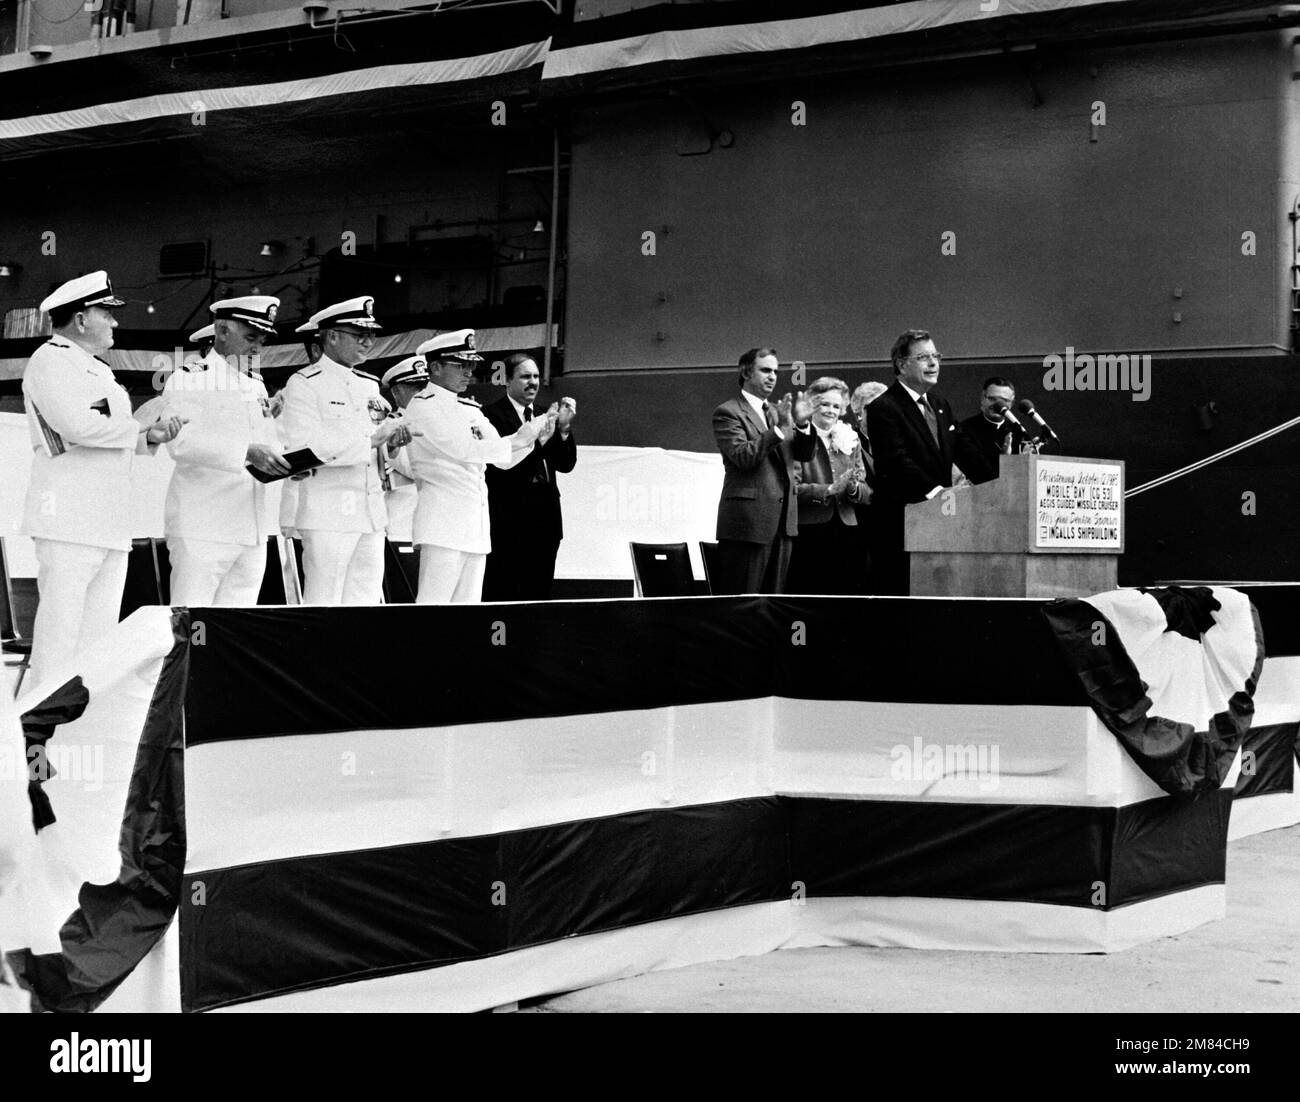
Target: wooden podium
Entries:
(1048, 526)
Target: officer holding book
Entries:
(216, 514)
(330, 410)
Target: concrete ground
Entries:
(1249, 962)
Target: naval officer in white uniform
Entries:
(450, 447)
(215, 519)
(289, 487)
(78, 507)
(404, 380)
(332, 409)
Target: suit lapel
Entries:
(512, 416)
(515, 423)
(913, 413)
(868, 461)
(823, 467)
(755, 418)
(943, 416)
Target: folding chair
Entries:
(662, 570)
(401, 573)
(712, 565)
(148, 576)
(272, 590)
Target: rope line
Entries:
(1165, 478)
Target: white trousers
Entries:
(221, 575)
(342, 568)
(449, 577)
(79, 592)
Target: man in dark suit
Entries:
(995, 430)
(524, 501)
(915, 442)
(992, 432)
(757, 519)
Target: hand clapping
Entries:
(400, 437)
(838, 487)
(548, 423)
(793, 411)
(566, 414)
(164, 429)
(802, 410)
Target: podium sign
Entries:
(1079, 505)
(1048, 526)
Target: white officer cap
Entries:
(256, 310)
(457, 346)
(201, 335)
(358, 312)
(409, 370)
(95, 289)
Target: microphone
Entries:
(1008, 431)
(1027, 408)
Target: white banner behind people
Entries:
(616, 496)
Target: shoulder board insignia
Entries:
(421, 397)
(194, 365)
(309, 374)
(469, 402)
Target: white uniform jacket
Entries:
(400, 492)
(211, 495)
(85, 439)
(333, 411)
(448, 462)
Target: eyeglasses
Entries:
(928, 358)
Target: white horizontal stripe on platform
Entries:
(254, 800)
(789, 34)
(1277, 700)
(1277, 697)
(992, 754)
(1269, 811)
(415, 75)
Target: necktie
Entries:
(539, 475)
(930, 419)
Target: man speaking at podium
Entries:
(916, 443)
